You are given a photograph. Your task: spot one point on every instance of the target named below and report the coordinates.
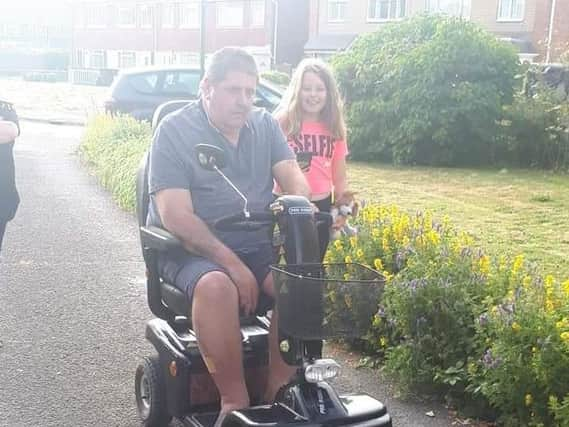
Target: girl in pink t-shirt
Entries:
(311, 117)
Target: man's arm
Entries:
(290, 178)
(177, 215)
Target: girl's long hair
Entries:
(289, 111)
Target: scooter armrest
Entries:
(157, 238)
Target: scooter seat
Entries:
(175, 299)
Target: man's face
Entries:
(230, 100)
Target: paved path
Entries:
(73, 306)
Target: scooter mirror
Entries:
(209, 156)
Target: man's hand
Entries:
(247, 287)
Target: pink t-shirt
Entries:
(316, 141)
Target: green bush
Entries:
(113, 147)
(276, 77)
(490, 334)
(535, 132)
(428, 90)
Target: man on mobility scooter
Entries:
(222, 272)
(208, 258)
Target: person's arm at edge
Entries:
(8, 131)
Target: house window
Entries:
(127, 16)
(386, 10)
(169, 12)
(95, 16)
(511, 10)
(97, 59)
(230, 14)
(127, 59)
(459, 8)
(145, 16)
(336, 10)
(190, 15)
(257, 13)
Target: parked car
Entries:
(140, 92)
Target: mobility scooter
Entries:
(175, 382)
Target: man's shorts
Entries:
(184, 270)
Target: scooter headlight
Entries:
(321, 370)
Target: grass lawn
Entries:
(508, 212)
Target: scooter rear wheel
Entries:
(150, 393)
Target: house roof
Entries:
(329, 42)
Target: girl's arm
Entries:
(339, 177)
(8, 131)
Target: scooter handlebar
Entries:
(239, 221)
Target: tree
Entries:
(428, 90)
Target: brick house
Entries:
(135, 33)
(334, 24)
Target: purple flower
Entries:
(466, 252)
(483, 319)
(490, 361)
(400, 258)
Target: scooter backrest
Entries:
(142, 197)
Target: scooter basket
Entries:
(320, 301)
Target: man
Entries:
(223, 271)
(9, 198)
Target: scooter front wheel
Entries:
(150, 393)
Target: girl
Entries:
(311, 117)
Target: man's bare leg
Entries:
(279, 372)
(215, 317)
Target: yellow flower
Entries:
(484, 264)
(534, 350)
(378, 264)
(383, 341)
(518, 264)
(375, 232)
(348, 259)
(565, 286)
(565, 337)
(549, 285)
(360, 253)
(528, 399)
(385, 244)
(338, 245)
(353, 241)
(563, 323)
(433, 237)
(516, 327)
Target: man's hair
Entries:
(230, 59)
